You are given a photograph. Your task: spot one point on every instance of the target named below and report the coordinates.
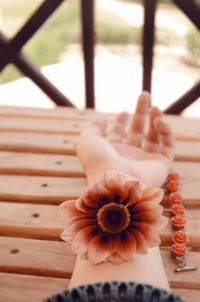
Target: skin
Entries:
(140, 155)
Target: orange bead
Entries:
(178, 221)
(175, 198)
(180, 237)
(177, 209)
(172, 186)
(178, 249)
(173, 176)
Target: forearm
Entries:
(140, 268)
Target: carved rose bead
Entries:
(172, 185)
(175, 198)
(178, 249)
(173, 176)
(180, 237)
(178, 221)
(177, 209)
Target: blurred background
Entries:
(57, 49)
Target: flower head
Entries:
(113, 219)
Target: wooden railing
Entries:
(11, 50)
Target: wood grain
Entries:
(184, 128)
(38, 189)
(41, 125)
(53, 190)
(45, 222)
(55, 259)
(54, 113)
(64, 144)
(35, 288)
(36, 257)
(20, 163)
(190, 295)
(37, 142)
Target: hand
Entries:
(146, 157)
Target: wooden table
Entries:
(39, 170)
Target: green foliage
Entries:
(112, 30)
(51, 40)
(193, 43)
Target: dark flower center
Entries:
(113, 218)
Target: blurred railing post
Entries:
(88, 40)
(185, 100)
(148, 42)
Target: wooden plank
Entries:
(53, 113)
(55, 259)
(190, 295)
(35, 288)
(187, 151)
(31, 221)
(37, 189)
(36, 257)
(45, 222)
(53, 190)
(64, 144)
(40, 164)
(37, 142)
(20, 163)
(41, 125)
(185, 128)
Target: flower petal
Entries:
(153, 195)
(161, 223)
(99, 248)
(118, 186)
(68, 209)
(80, 205)
(149, 233)
(115, 258)
(103, 192)
(148, 216)
(70, 231)
(114, 186)
(141, 247)
(82, 238)
(125, 245)
(135, 193)
(146, 206)
(93, 196)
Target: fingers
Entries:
(151, 142)
(136, 131)
(116, 133)
(166, 136)
(97, 126)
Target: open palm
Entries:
(145, 155)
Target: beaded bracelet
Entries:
(178, 222)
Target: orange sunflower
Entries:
(113, 219)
